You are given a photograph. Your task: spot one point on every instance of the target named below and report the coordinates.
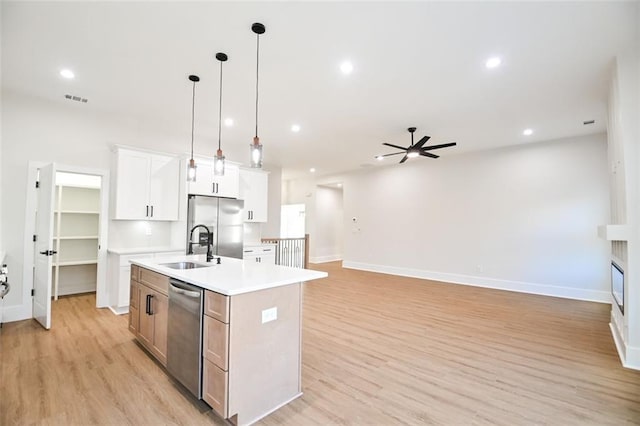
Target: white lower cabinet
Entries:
(119, 275)
(262, 253)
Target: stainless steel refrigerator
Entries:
(223, 217)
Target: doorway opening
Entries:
(66, 229)
(76, 232)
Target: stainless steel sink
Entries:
(184, 265)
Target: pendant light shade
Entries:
(191, 169)
(256, 146)
(218, 165)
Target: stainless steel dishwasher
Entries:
(184, 351)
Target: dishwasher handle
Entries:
(178, 287)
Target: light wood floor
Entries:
(377, 350)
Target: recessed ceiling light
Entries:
(67, 73)
(228, 122)
(312, 170)
(527, 132)
(295, 128)
(379, 158)
(346, 67)
(493, 62)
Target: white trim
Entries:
(325, 259)
(25, 309)
(518, 286)
(274, 409)
(119, 310)
(17, 313)
(629, 355)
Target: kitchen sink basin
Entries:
(184, 265)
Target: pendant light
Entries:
(256, 146)
(191, 170)
(218, 165)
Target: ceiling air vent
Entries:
(588, 122)
(76, 98)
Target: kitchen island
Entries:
(250, 318)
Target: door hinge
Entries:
(35, 238)
(33, 292)
(37, 184)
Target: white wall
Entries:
(522, 218)
(330, 225)
(72, 134)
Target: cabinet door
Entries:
(268, 257)
(254, 187)
(160, 311)
(227, 185)
(215, 383)
(164, 188)
(132, 184)
(145, 324)
(204, 179)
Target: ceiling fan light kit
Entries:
(415, 149)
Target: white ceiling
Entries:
(416, 64)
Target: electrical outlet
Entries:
(479, 268)
(269, 315)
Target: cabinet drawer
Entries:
(215, 345)
(216, 306)
(154, 280)
(215, 383)
(135, 272)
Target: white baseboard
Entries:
(119, 310)
(76, 289)
(325, 259)
(518, 286)
(16, 313)
(629, 355)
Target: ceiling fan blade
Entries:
(395, 146)
(444, 145)
(428, 154)
(395, 153)
(421, 142)
(404, 159)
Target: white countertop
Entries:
(140, 250)
(232, 276)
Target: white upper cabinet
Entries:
(254, 187)
(147, 186)
(218, 186)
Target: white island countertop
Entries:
(231, 276)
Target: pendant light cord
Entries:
(193, 108)
(257, 68)
(220, 109)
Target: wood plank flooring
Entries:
(377, 350)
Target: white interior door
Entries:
(44, 246)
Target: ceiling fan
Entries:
(416, 149)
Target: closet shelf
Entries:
(78, 211)
(76, 262)
(79, 237)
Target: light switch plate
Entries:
(270, 314)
